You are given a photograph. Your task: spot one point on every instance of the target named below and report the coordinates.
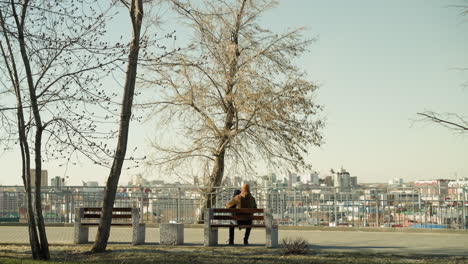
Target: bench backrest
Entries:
(212, 214)
(123, 215)
(238, 214)
(117, 213)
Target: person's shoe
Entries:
(246, 242)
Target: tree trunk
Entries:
(26, 175)
(24, 146)
(19, 20)
(102, 236)
(216, 177)
(45, 255)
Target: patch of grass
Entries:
(127, 254)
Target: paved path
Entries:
(383, 242)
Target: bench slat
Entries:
(237, 210)
(113, 216)
(95, 224)
(116, 209)
(238, 217)
(241, 226)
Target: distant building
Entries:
(314, 178)
(433, 189)
(459, 188)
(57, 182)
(328, 181)
(354, 181)
(396, 182)
(10, 202)
(276, 201)
(44, 177)
(91, 184)
(266, 181)
(272, 177)
(310, 178)
(293, 179)
(342, 181)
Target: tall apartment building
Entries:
(314, 178)
(44, 177)
(57, 182)
(11, 201)
(342, 181)
(354, 181)
(310, 178)
(328, 181)
(276, 201)
(293, 178)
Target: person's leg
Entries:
(246, 236)
(231, 236)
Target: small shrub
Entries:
(295, 246)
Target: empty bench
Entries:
(215, 217)
(89, 216)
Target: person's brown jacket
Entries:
(243, 200)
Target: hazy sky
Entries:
(378, 63)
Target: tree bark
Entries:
(45, 255)
(102, 236)
(216, 177)
(43, 245)
(26, 175)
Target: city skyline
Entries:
(377, 65)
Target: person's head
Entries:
(236, 192)
(245, 189)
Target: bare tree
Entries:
(235, 96)
(52, 63)
(135, 8)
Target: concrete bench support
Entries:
(171, 234)
(271, 230)
(81, 232)
(138, 229)
(210, 233)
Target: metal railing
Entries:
(387, 207)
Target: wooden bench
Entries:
(89, 216)
(214, 216)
